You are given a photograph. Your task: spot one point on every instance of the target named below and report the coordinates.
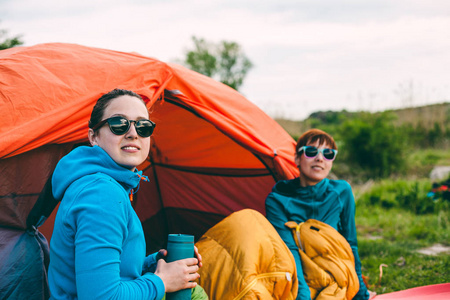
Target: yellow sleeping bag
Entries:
(327, 260)
(245, 258)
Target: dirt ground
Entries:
(435, 249)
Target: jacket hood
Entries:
(292, 187)
(86, 160)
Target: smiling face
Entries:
(128, 150)
(315, 169)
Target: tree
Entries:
(201, 59)
(224, 61)
(6, 43)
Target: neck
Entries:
(304, 182)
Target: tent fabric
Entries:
(48, 90)
(24, 258)
(431, 292)
(213, 152)
(22, 178)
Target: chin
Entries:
(131, 162)
(317, 179)
(129, 165)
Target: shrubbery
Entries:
(372, 143)
(375, 145)
(409, 195)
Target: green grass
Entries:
(392, 237)
(421, 162)
(401, 193)
(395, 218)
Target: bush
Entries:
(410, 195)
(372, 143)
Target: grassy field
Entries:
(392, 237)
(421, 162)
(395, 219)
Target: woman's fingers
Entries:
(199, 257)
(179, 274)
(191, 285)
(189, 261)
(161, 254)
(197, 254)
(193, 269)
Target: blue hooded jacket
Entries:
(329, 201)
(97, 249)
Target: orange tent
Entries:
(213, 152)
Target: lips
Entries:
(130, 147)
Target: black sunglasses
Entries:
(311, 152)
(120, 125)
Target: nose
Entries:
(319, 156)
(132, 133)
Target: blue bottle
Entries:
(179, 246)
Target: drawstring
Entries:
(143, 177)
(297, 231)
(132, 192)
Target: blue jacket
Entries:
(329, 201)
(97, 250)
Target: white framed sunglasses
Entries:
(311, 152)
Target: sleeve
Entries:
(276, 215)
(101, 220)
(150, 263)
(348, 230)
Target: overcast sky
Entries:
(308, 55)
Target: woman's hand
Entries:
(179, 274)
(199, 257)
(163, 253)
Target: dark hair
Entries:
(313, 135)
(103, 102)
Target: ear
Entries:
(92, 137)
(297, 160)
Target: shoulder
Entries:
(340, 186)
(98, 181)
(343, 191)
(281, 193)
(286, 187)
(97, 191)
